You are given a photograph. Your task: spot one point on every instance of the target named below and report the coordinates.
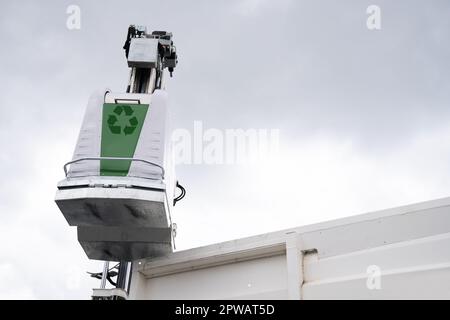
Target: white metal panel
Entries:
(378, 231)
(294, 266)
(114, 207)
(424, 282)
(425, 251)
(262, 278)
(143, 53)
(409, 245)
(416, 269)
(89, 138)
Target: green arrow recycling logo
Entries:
(121, 120)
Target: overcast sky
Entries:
(363, 116)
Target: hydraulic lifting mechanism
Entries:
(120, 186)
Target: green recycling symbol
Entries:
(122, 120)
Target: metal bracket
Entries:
(128, 100)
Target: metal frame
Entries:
(115, 158)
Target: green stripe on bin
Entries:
(121, 128)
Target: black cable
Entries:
(111, 274)
(108, 277)
(131, 33)
(181, 195)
